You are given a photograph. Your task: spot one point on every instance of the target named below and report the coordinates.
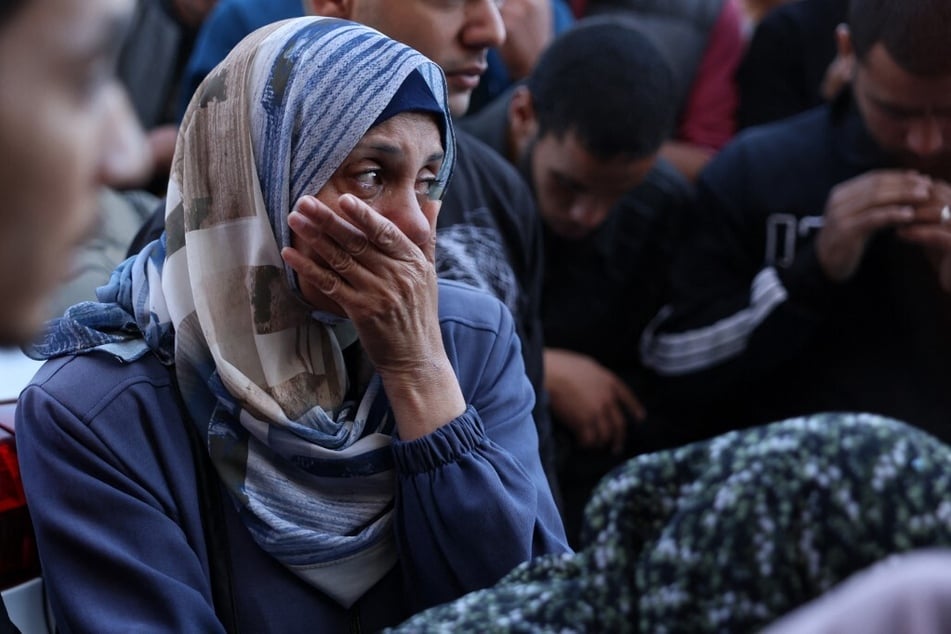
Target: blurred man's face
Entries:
(66, 129)
(906, 114)
(456, 34)
(576, 191)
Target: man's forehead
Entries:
(886, 81)
(584, 171)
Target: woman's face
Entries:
(66, 129)
(392, 169)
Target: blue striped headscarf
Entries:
(263, 379)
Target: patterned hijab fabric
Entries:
(262, 376)
(729, 534)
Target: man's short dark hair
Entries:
(607, 83)
(916, 33)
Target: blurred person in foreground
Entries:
(66, 130)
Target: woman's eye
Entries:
(369, 179)
(424, 186)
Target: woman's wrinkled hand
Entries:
(387, 286)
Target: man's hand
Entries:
(589, 399)
(858, 208)
(932, 231)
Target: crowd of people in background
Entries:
(534, 315)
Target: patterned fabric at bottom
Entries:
(728, 534)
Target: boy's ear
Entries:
(523, 126)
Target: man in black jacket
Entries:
(817, 268)
(585, 130)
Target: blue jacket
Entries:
(110, 476)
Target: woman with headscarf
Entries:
(269, 422)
